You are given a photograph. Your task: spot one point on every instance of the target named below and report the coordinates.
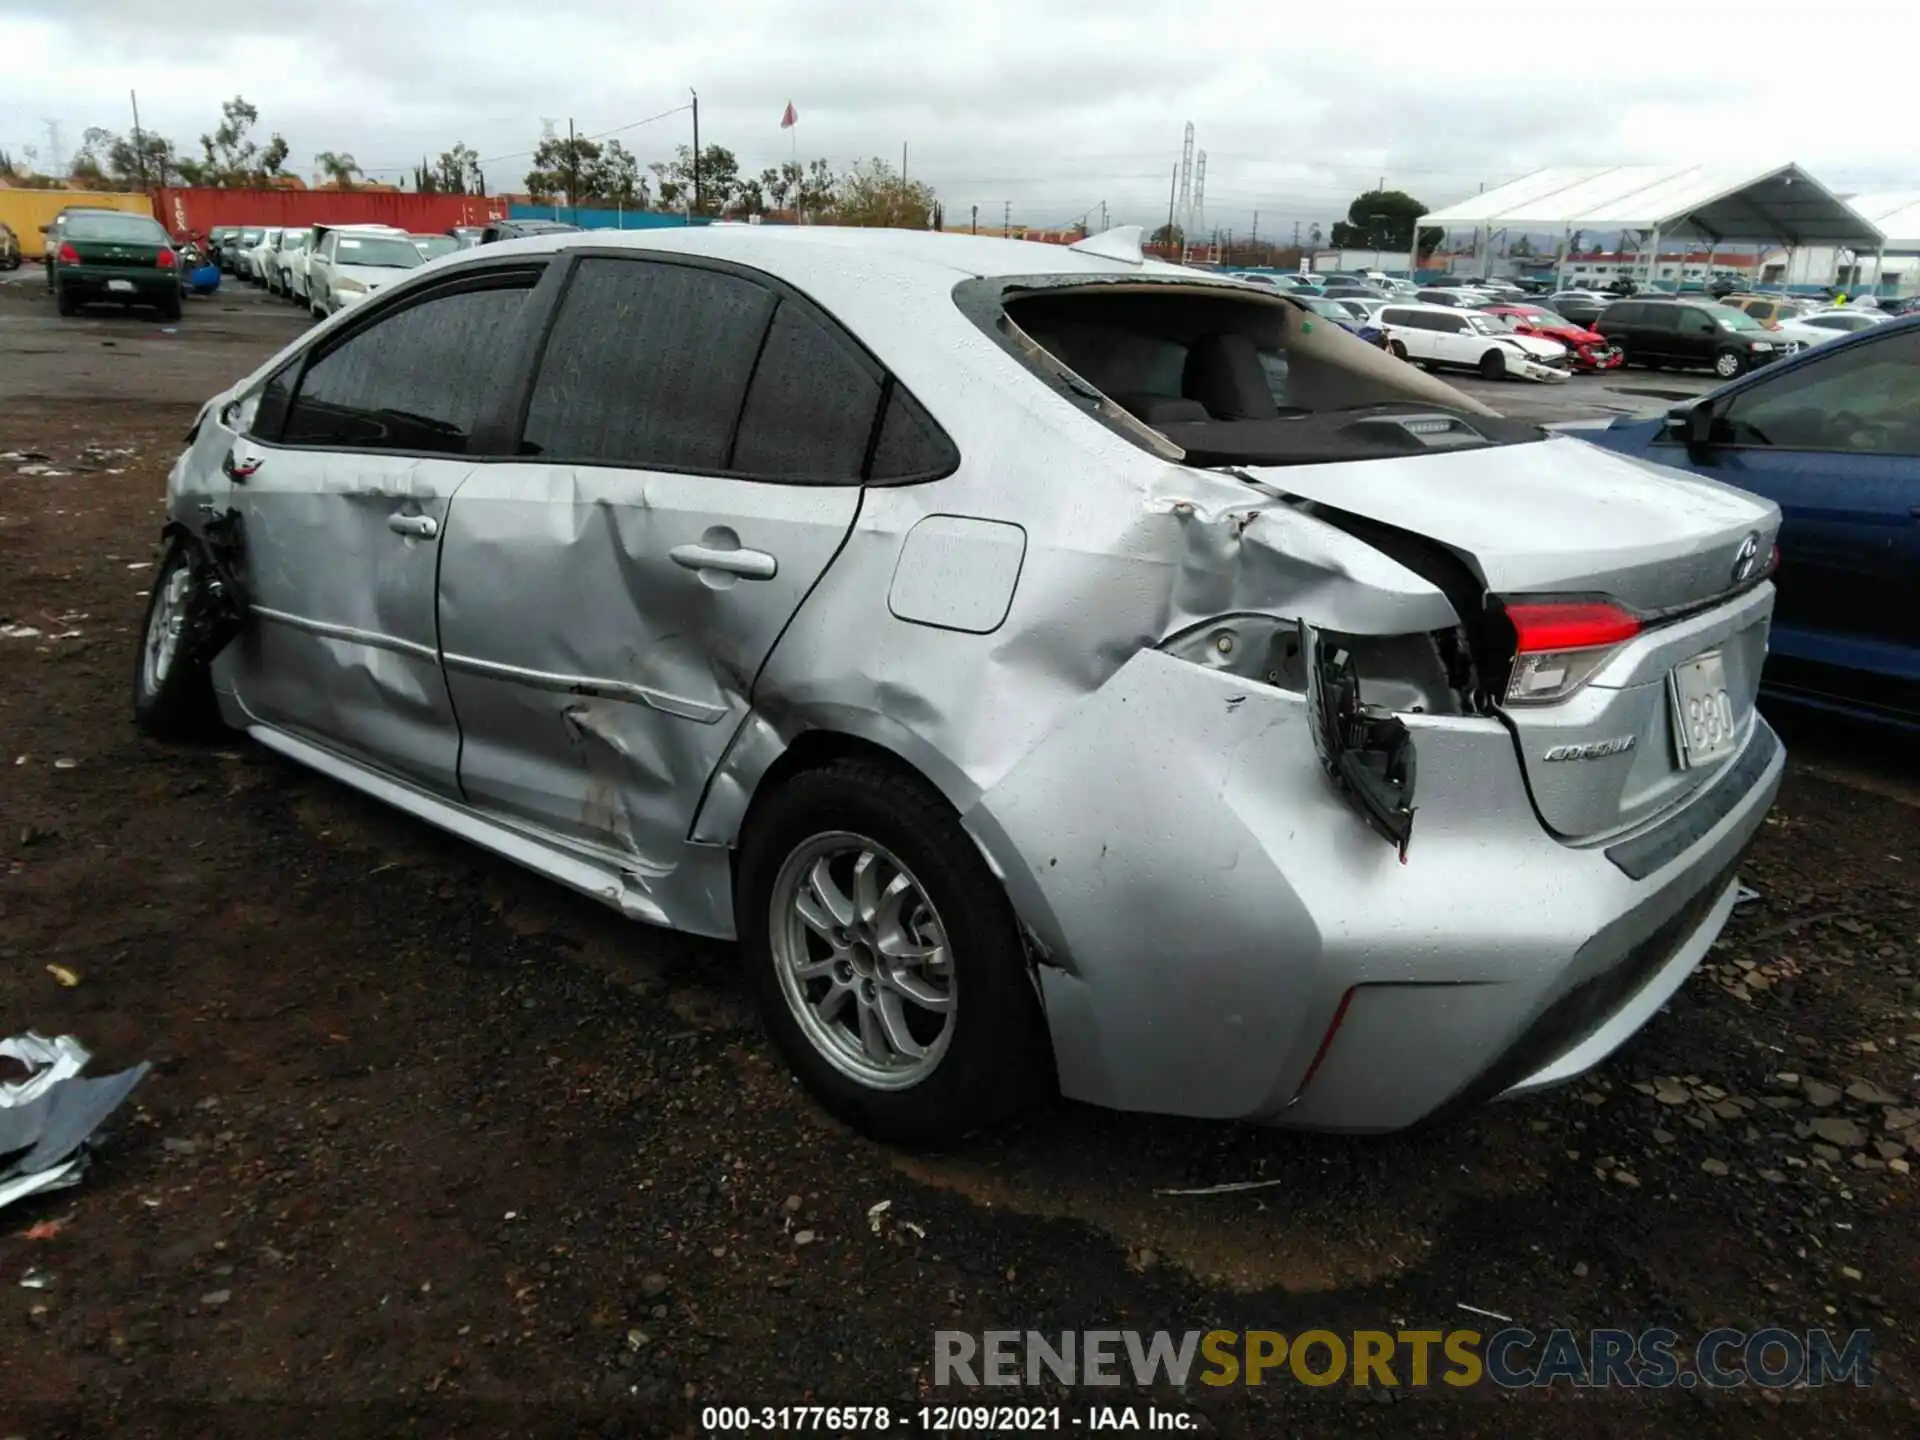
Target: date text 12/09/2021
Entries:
(944, 1419)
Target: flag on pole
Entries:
(791, 118)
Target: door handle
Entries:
(421, 527)
(747, 564)
(239, 470)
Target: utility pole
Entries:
(696, 154)
(1103, 217)
(1173, 189)
(1296, 234)
(1006, 221)
(903, 163)
(976, 219)
(1254, 238)
(139, 145)
(573, 173)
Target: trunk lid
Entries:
(1562, 518)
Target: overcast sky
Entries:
(1052, 105)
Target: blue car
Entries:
(1832, 436)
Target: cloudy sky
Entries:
(1052, 106)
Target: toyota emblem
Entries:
(1746, 560)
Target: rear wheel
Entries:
(884, 956)
(1493, 366)
(170, 308)
(1729, 363)
(172, 691)
(1399, 350)
(63, 301)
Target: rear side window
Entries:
(647, 366)
(413, 380)
(811, 406)
(1622, 314)
(660, 366)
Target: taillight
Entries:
(166, 260)
(1560, 644)
(68, 255)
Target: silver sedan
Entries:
(1054, 668)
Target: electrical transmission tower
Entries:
(1197, 220)
(1183, 207)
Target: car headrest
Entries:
(1160, 409)
(1223, 373)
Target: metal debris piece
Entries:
(35, 1280)
(1744, 894)
(1476, 1310)
(47, 1118)
(19, 632)
(1230, 1188)
(876, 1213)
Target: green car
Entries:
(112, 256)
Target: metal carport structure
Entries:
(1779, 205)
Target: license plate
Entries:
(1704, 715)
(120, 285)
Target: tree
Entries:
(339, 166)
(562, 166)
(752, 198)
(719, 180)
(232, 157)
(109, 161)
(1384, 220)
(617, 180)
(1521, 248)
(1168, 237)
(812, 188)
(874, 193)
(457, 171)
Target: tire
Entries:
(1399, 350)
(986, 1055)
(170, 309)
(1729, 363)
(63, 301)
(1493, 366)
(172, 697)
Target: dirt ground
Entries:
(433, 1147)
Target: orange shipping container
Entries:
(27, 210)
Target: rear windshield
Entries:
(251, 236)
(377, 250)
(136, 229)
(1220, 376)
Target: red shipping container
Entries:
(196, 211)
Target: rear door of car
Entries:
(1453, 342)
(343, 483)
(1836, 444)
(690, 462)
(1696, 335)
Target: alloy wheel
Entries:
(863, 960)
(165, 626)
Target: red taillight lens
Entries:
(1572, 625)
(166, 259)
(68, 255)
(1560, 644)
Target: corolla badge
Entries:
(1592, 750)
(1746, 559)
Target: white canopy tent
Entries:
(1781, 205)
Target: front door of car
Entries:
(1836, 444)
(343, 485)
(691, 461)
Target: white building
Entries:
(1893, 268)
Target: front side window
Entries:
(1692, 322)
(414, 380)
(1863, 401)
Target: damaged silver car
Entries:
(1050, 665)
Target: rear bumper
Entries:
(146, 286)
(1222, 936)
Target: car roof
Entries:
(1427, 309)
(798, 252)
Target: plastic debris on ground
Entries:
(47, 1117)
